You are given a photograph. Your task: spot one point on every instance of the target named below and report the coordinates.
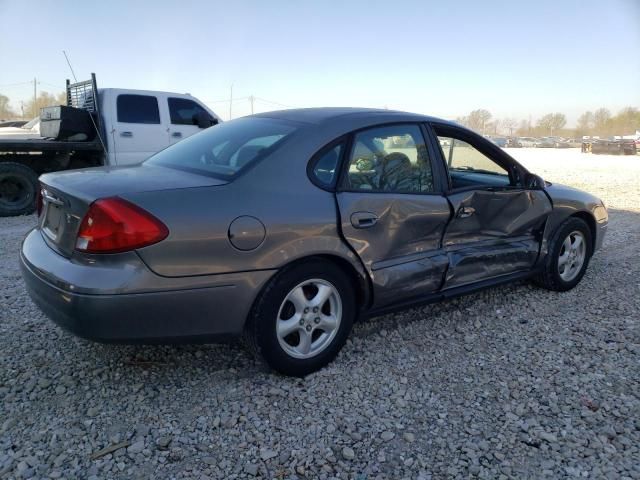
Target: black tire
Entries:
(550, 277)
(18, 187)
(260, 331)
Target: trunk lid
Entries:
(66, 196)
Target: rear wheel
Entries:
(302, 318)
(18, 187)
(569, 254)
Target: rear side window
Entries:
(325, 165)
(224, 150)
(183, 111)
(138, 109)
(393, 158)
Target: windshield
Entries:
(29, 125)
(224, 150)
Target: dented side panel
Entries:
(402, 251)
(502, 235)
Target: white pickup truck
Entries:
(106, 126)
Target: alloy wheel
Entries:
(309, 318)
(572, 255)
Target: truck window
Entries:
(138, 109)
(183, 110)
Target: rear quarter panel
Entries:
(300, 219)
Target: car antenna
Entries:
(95, 100)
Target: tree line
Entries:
(597, 123)
(30, 109)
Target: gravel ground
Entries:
(514, 382)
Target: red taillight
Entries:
(39, 200)
(115, 225)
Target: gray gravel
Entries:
(514, 382)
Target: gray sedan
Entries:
(286, 227)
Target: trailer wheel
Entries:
(18, 187)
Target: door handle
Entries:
(126, 134)
(363, 219)
(465, 212)
(176, 134)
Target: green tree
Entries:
(6, 111)
(626, 122)
(552, 122)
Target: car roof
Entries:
(323, 115)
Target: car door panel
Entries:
(496, 226)
(500, 236)
(490, 259)
(402, 251)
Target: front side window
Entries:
(224, 150)
(184, 111)
(138, 109)
(390, 159)
(469, 167)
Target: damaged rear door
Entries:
(497, 222)
(393, 213)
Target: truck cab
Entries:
(139, 123)
(107, 126)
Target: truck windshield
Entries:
(224, 150)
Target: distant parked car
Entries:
(561, 143)
(527, 141)
(28, 130)
(201, 241)
(13, 123)
(545, 142)
(513, 142)
(499, 141)
(574, 142)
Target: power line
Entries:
(30, 82)
(226, 100)
(272, 102)
(51, 85)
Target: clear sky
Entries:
(445, 58)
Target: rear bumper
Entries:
(210, 308)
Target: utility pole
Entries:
(35, 98)
(231, 102)
(251, 99)
(22, 108)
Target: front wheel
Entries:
(302, 319)
(569, 253)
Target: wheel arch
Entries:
(359, 279)
(590, 220)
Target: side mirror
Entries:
(203, 120)
(534, 181)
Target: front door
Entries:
(183, 114)
(497, 222)
(393, 213)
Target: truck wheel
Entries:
(18, 187)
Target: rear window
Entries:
(224, 150)
(138, 109)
